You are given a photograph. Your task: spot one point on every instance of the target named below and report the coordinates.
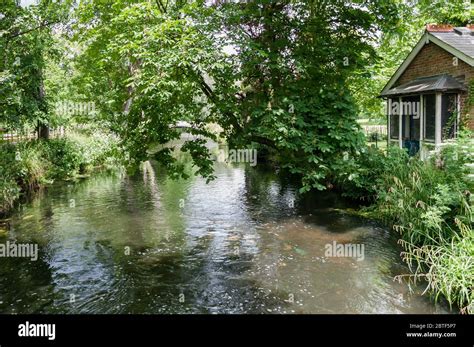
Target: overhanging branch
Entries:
(41, 26)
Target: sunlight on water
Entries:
(244, 243)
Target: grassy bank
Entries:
(430, 204)
(27, 166)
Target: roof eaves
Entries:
(414, 52)
(426, 38)
(441, 82)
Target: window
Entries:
(430, 116)
(448, 115)
(394, 122)
(410, 108)
(394, 126)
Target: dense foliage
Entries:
(29, 165)
(287, 77)
(26, 44)
(272, 74)
(430, 204)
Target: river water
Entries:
(244, 243)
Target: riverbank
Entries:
(30, 165)
(429, 204)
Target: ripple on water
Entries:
(245, 243)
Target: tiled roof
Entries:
(461, 39)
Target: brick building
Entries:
(432, 93)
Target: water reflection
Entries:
(244, 243)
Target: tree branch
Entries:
(160, 5)
(207, 90)
(41, 26)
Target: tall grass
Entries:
(447, 266)
(429, 203)
(29, 165)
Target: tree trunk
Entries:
(43, 129)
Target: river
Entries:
(245, 243)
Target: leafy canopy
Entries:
(271, 74)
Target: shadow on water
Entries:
(244, 243)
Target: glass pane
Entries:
(415, 128)
(393, 131)
(430, 114)
(405, 127)
(394, 125)
(411, 117)
(448, 115)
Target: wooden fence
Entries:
(15, 136)
(371, 129)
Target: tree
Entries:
(151, 75)
(296, 62)
(286, 88)
(25, 42)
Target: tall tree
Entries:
(151, 75)
(25, 41)
(295, 63)
(272, 74)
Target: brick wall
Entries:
(433, 60)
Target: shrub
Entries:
(31, 167)
(429, 204)
(362, 177)
(97, 149)
(9, 192)
(28, 165)
(65, 156)
(21, 166)
(447, 266)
